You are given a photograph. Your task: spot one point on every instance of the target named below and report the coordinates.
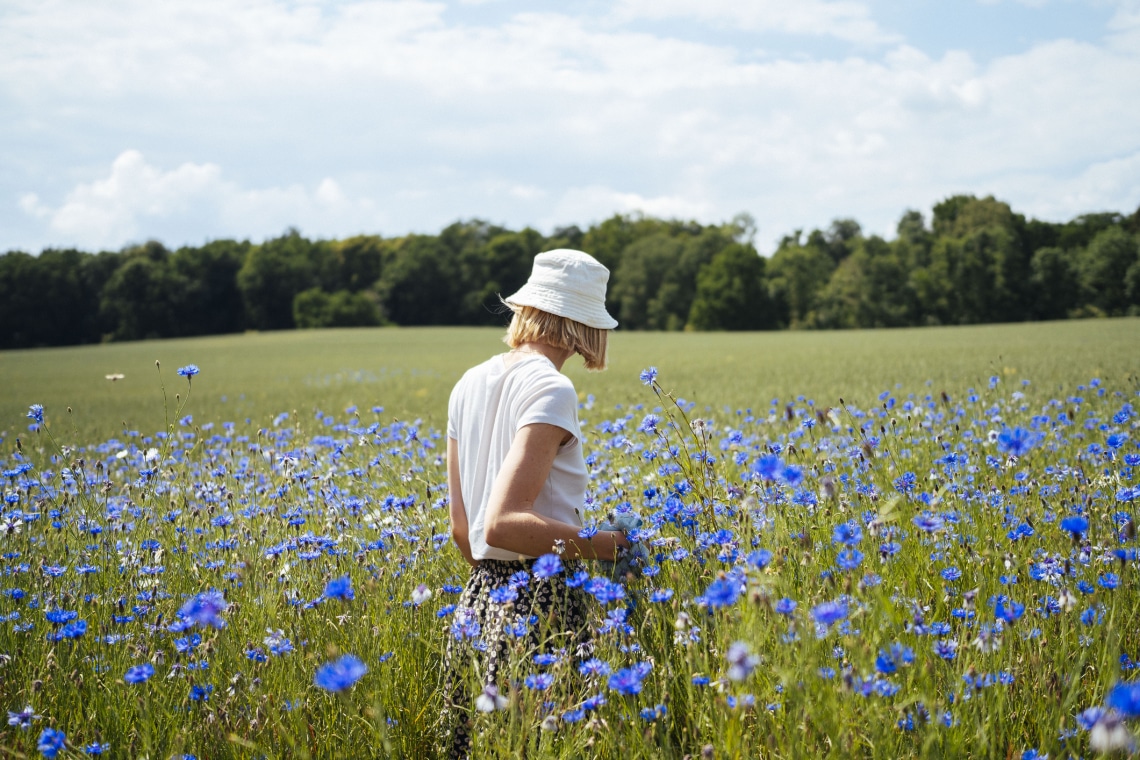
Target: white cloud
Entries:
(136, 198)
(594, 203)
(843, 19)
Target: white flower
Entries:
(550, 723)
(490, 700)
(1110, 734)
(151, 455)
(421, 594)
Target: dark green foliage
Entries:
(145, 295)
(420, 285)
(1103, 268)
(978, 262)
(732, 293)
(315, 308)
(212, 303)
(798, 273)
(1053, 283)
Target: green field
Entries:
(934, 571)
(409, 371)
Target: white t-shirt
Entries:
(488, 405)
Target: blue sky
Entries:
(189, 120)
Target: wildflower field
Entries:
(889, 544)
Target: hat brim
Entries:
(564, 304)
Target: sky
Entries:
(185, 121)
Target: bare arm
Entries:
(513, 525)
(455, 499)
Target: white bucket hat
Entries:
(570, 284)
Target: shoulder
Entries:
(540, 376)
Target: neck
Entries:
(557, 356)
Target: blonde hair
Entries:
(534, 325)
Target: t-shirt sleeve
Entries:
(453, 413)
(554, 402)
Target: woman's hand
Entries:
(511, 522)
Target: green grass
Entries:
(123, 533)
(410, 371)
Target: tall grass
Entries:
(927, 518)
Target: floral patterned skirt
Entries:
(504, 616)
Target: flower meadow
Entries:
(934, 573)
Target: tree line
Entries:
(977, 261)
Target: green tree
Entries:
(314, 308)
(418, 285)
(796, 275)
(1103, 268)
(499, 266)
(732, 293)
(212, 303)
(143, 298)
(870, 288)
(275, 272)
(358, 261)
(1053, 282)
(978, 269)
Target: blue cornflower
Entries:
(760, 558)
(648, 376)
(137, 674)
(36, 413)
(340, 674)
(538, 681)
(23, 718)
(546, 566)
(1117, 440)
(59, 617)
(51, 742)
(849, 533)
(722, 592)
(594, 667)
(849, 560)
(885, 664)
(188, 371)
(1075, 524)
(340, 588)
(201, 693)
(951, 573)
(768, 467)
(829, 613)
(661, 595)
(594, 702)
(204, 609)
(792, 475)
(95, 748)
(1017, 441)
(1125, 698)
(786, 606)
(947, 649)
(1010, 612)
(928, 522)
(503, 595)
(604, 590)
(628, 680)
(573, 716)
(906, 482)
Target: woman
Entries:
(516, 479)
